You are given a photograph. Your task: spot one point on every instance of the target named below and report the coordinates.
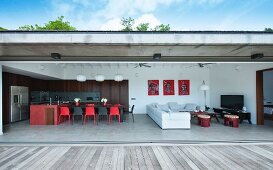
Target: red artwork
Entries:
(184, 87)
(168, 87)
(153, 87)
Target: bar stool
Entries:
(64, 112)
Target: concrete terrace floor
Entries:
(144, 129)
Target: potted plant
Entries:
(104, 101)
(77, 101)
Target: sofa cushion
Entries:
(174, 106)
(190, 106)
(164, 107)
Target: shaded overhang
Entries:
(192, 46)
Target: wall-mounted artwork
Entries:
(184, 87)
(168, 87)
(153, 87)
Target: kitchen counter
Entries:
(44, 114)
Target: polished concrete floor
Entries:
(144, 129)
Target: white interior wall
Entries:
(236, 79)
(138, 82)
(268, 86)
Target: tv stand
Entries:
(242, 115)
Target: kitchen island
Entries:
(44, 114)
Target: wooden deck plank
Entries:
(193, 157)
(108, 158)
(213, 157)
(147, 158)
(8, 152)
(95, 158)
(184, 158)
(173, 158)
(127, 157)
(163, 161)
(58, 154)
(221, 158)
(37, 158)
(100, 161)
(13, 155)
(121, 159)
(88, 157)
(256, 159)
(44, 160)
(249, 158)
(203, 157)
(237, 160)
(153, 158)
(17, 158)
(30, 159)
(138, 157)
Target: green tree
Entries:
(127, 23)
(143, 27)
(2, 29)
(268, 30)
(163, 27)
(58, 24)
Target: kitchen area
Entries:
(40, 99)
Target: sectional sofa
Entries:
(171, 115)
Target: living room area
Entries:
(221, 78)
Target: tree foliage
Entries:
(143, 27)
(58, 24)
(2, 29)
(268, 30)
(129, 22)
(163, 27)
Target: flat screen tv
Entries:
(235, 102)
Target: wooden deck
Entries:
(243, 156)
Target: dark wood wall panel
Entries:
(115, 92)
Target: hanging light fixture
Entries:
(81, 77)
(99, 77)
(118, 77)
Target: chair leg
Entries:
(59, 119)
(94, 120)
(84, 120)
(68, 119)
(133, 117)
(118, 119)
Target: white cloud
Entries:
(86, 14)
(112, 25)
(147, 18)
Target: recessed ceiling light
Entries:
(157, 56)
(56, 56)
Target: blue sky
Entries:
(183, 15)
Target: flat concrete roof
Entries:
(180, 46)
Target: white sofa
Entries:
(171, 115)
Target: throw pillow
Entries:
(174, 106)
(190, 106)
(164, 107)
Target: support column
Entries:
(1, 101)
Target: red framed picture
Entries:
(168, 87)
(153, 87)
(184, 87)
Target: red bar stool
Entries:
(64, 112)
(90, 111)
(114, 111)
(204, 120)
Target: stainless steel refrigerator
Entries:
(19, 103)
